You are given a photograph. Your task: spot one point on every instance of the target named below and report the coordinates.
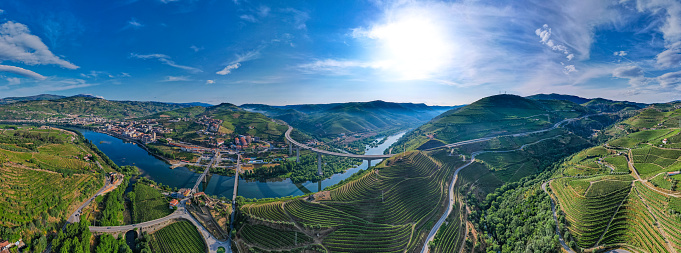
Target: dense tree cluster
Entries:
(305, 170)
(74, 239)
(109, 244)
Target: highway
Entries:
(325, 152)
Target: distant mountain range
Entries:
(9, 100)
(329, 120)
(599, 104)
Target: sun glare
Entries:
(415, 47)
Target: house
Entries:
(199, 194)
(4, 245)
(186, 193)
(664, 141)
(173, 203)
(673, 173)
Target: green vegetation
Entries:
(490, 116)
(305, 170)
(83, 106)
(180, 236)
(386, 209)
(147, 203)
(331, 120)
(107, 244)
(270, 238)
(74, 239)
(45, 176)
(171, 152)
(113, 206)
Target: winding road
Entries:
(555, 218)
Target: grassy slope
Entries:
(40, 188)
(82, 106)
(491, 116)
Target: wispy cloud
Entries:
(248, 18)
(544, 33)
(13, 80)
(176, 79)
(240, 58)
(21, 72)
(195, 48)
(132, 24)
(165, 59)
(298, 18)
(210, 81)
(17, 44)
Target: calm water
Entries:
(124, 153)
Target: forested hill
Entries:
(82, 106)
(491, 116)
(598, 104)
(234, 121)
(330, 120)
(9, 100)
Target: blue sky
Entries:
(292, 52)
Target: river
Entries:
(125, 153)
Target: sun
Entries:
(414, 46)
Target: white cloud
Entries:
(544, 34)
(670, 80)
(569, 69)
(195, 48)
(263, 11)
(620, 53)
(176, 79)
(165, 59)
(337, 67)
(248, 18)
(168, 1)
(633, 73)
(229, 69)
(210, 81)
(13, 80)
(29, 87)
(132, 24)
(299, 18)
(21, 72)
(671, 57)
(2, 11)
(235, 64)
(17, 44)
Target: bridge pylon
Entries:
(369, 166)
(319, 164)
(297, 154)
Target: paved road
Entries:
(303, 146)
(108, 186)
(180, 213)
(555, 218)
(437, 226)
(450, 206)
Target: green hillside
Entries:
(9, 100)
(46, 174)
(330, 120)
(490, 116)
(236, 121)
(81, 106)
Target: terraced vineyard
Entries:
(390, 209)
(44, 175)
(449, 237)
(148, 203)
(180, 236)
(270, 238)
(588, 216)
